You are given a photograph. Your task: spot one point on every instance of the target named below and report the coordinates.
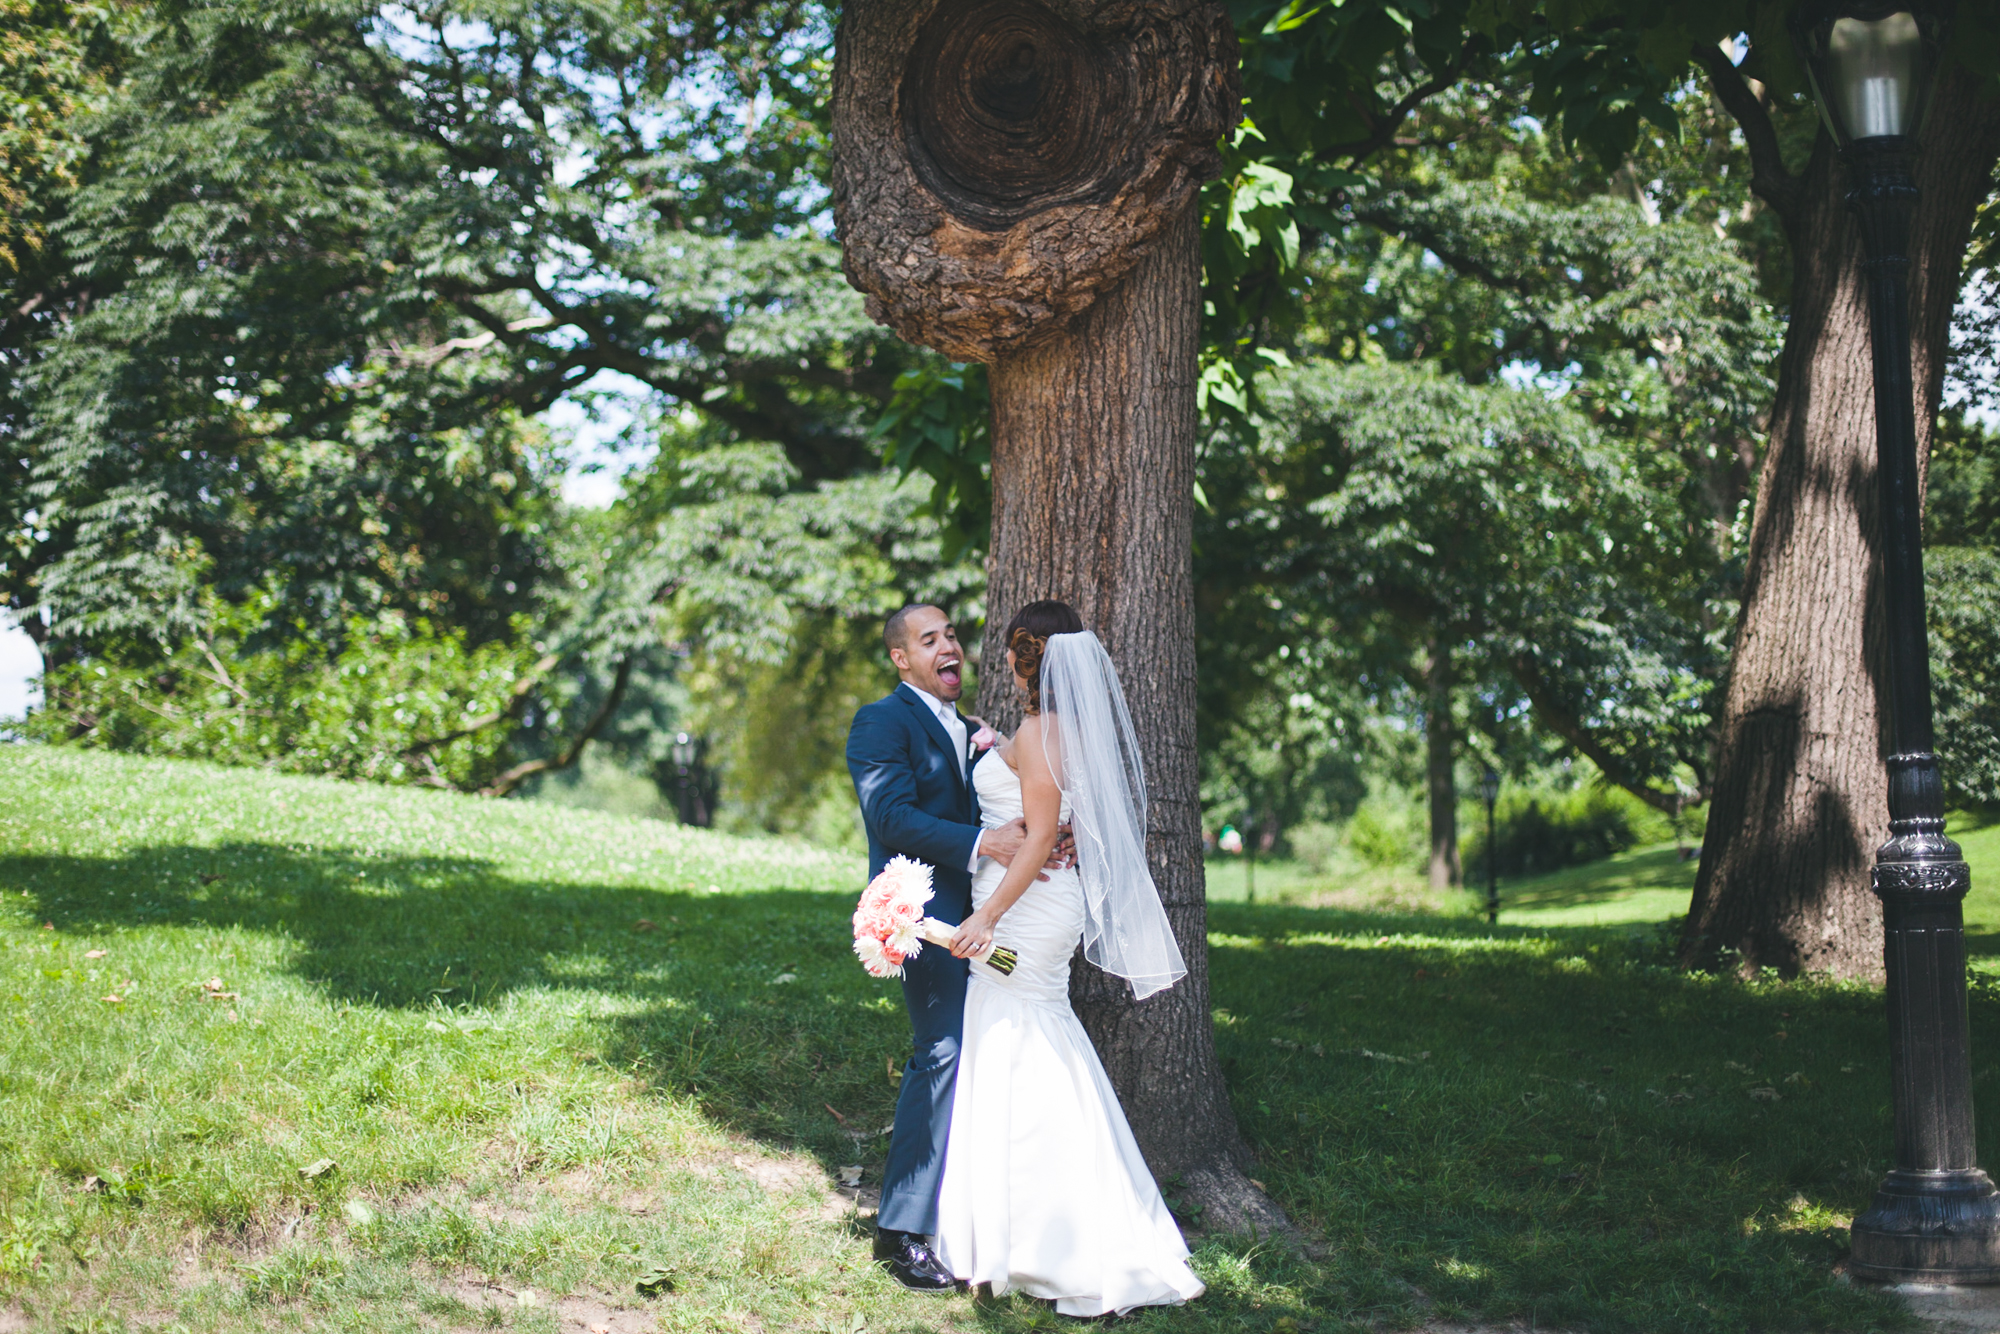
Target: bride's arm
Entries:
(1041, 802)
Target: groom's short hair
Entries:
(895, 633)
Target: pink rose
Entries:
(984, 738)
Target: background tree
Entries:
(308, 386)
(1801, 795)
(1799, 788)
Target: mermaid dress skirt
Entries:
(1044, 1188)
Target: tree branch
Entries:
(517, 695)
(1566, 725)
(1769, 179)
(1383, 132)
(514, 777)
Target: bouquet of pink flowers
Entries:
(890, 926)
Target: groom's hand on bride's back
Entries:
(1063, 855)
(1002, 841)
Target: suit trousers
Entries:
(934, 990)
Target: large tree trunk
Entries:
(1016, 183)
(1801, 796)
(1093, 482)
(1441, 744)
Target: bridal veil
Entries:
(1094, 750)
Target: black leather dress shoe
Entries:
(911, 1262)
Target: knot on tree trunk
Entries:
(998, 164)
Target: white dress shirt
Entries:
(954, 727)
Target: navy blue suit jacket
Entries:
(914, 800)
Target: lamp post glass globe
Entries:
(1935, 1218)
(683, 750)
(1870, 64)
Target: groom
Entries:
(910, 755)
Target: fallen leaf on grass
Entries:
(835, 1115)
(851, 1176)
(644, 924)
(209, 879)
(1765, 1095)
(782, 978)
(95, 954)
(1798, 1077)
(112, 999)
(1732, 1065)
(358, 1213)
(318, 1168)
(655, 1282)
(895, 1075)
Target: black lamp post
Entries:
(1936, 1216)
(684, 754)
(1489, 788)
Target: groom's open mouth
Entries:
(948, 673)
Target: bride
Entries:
(1044, 1189)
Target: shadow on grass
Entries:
(1539, 1124)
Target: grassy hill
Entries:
(289, 1054)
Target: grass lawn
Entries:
(393, 1060)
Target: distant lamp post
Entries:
(1936, 1216)
(1489, 788)
(684, 757)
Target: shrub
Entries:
(397, 701)
(1386, 831)
(1542, 828)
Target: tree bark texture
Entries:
(1801, 795)
(1441, 744)
(1093, 482)
(1000, 164)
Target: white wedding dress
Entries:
(1044, 1189)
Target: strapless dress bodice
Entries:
(999, 789)
(1045, 925)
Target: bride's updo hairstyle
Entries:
(1028, 635)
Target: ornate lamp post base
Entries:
(1936, 1217)
(1929, 1227)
